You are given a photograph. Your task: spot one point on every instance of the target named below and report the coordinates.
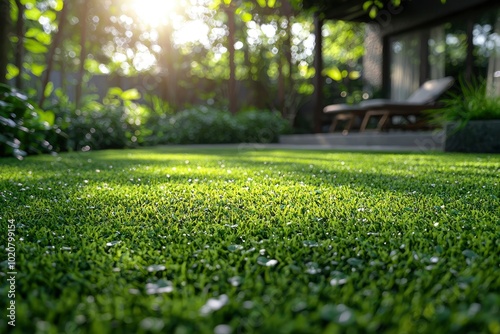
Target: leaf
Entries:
(44, 38)
(334, 73)
(33, 14)
(34, 46)
(31, 2)
(48, 89)
(115, 91)
(373, 12)
(262, 3)
(50, 14)
(246, 17)
(12, 71)
(354, 75)
(271, 3)
(37, 69)
(59, 4)
(131, 94)
(47, 116)
(367, 5)
(92, 66)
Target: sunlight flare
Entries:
(154, 12)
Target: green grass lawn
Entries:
(221, 241)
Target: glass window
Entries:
(405, 65)
(487, 50)
(448, 52)
(437, 53)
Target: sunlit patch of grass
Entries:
(199, 241)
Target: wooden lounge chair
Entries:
(409, 111)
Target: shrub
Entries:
(24, 127)
(470, 103)
(116, 122)
(261, 126)
(158, 120)
(203, 125)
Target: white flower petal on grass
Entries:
(223, 329)
(112, 243)
(234, 248)
(264, 261)
(338, 281)
(338, 278)
(156, 267)
(310, 243)
(152, 324)
(271, 263)
(312, 268)
(235, 281)
(214, 304)
(340, 314)
(161, 286)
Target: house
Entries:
(417, 41)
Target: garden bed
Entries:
(178, 240)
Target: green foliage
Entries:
(116, 122)
(24, 127)
(261, 126)
(203, 125)
(177, 240)
(119, 121)
(470, 103)
(39, 22)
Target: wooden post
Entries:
(233, 107)
(318, 78)
(168, 79)
(469, 61)
(19, 50)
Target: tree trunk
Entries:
(50, 56)
(4, 38)
(167, 61)
(19, 51)
(233, 102)
(281, 86)
(83, 53)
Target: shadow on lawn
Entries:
(389, 173)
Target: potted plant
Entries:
(471, 119)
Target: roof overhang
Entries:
(344, 10)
